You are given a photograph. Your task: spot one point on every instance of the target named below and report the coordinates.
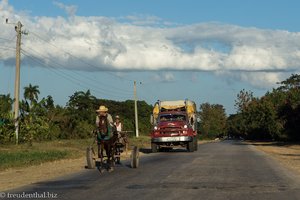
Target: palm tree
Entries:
(5, 105)
(31, 93)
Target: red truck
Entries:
(174, 124)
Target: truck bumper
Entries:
(172, 139)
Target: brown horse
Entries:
(106, 142)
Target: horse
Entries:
(107, 138)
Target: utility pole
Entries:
(17, 79)
(19, 31)
(135, 111)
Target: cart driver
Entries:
(104, 123)
(103, 117)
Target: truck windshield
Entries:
(172, 117)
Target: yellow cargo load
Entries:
(183, 105)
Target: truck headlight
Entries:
(155, 127)
(185, 126)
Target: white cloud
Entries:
(101, 43)
(262, 80)
(164, 77)
(143, 20)
(70, 10)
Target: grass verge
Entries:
(27, 158)
(22, 155)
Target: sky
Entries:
(202, 50)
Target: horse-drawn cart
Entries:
(119, 144)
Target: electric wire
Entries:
(6, 48)
(93, 67)
(9, 40)
(65, 75)
(80, 75)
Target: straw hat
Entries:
(117, 117)
(102, 109)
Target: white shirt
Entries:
(119, 126)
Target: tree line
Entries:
(44, 120)
(275, 115)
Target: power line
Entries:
(93, 67)
(90, 65)
(79, 75)
(9, 40)
(12, 49)
(7, 48)
(67, 76)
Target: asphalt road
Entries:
(221, 170)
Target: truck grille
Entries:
(171, 130)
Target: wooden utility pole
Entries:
(17, 80)
(135, 111)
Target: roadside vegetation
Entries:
(274, 116)
(49, 131)
(42, 120)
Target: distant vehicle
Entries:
(174, 124)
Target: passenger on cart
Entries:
(121, 134)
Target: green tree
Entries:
(212, 120)
(276, 115)
(31, 93)
(5, 106)
(235, 126)
(80, 113)
(243, 99)
(6, 119)
(261, 119)
(81, 105)
(289, 110)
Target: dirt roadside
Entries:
(287, 155)
(18, 177)
(12, 178)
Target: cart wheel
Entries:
(135, 157)
(90, 157)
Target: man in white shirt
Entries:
(118, 124)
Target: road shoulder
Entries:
(288, 155)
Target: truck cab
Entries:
(174, 125)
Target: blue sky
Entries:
(206, 51)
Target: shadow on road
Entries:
(145, 150)
(270, 143)
(163, 149)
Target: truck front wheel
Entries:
(154, 147)
(191, 146)
(195, 143)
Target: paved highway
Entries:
(221, 170)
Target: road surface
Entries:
(221, 170)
